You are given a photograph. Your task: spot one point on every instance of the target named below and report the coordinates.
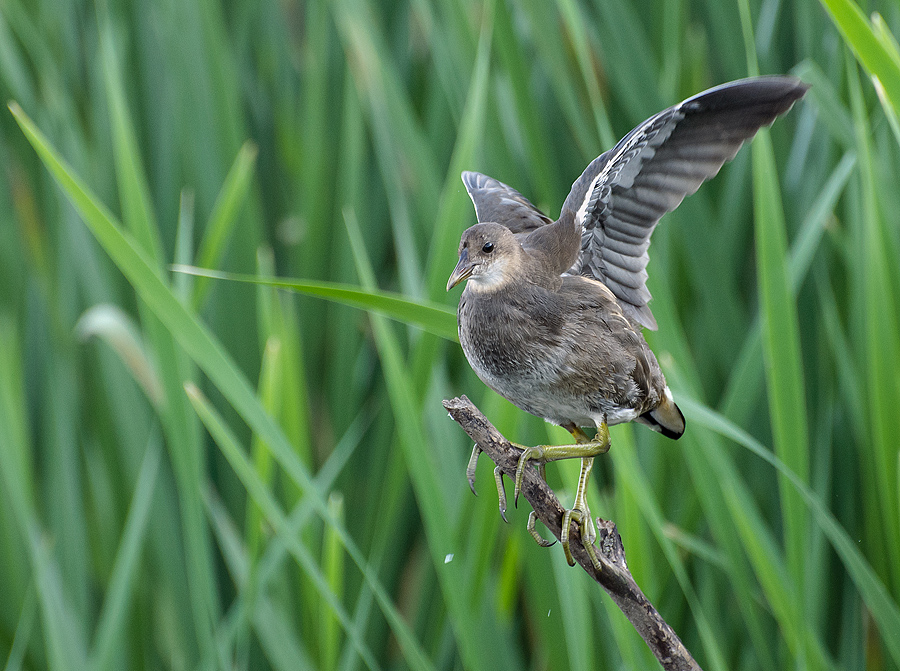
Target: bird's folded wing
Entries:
(622, 194)
(495, 201)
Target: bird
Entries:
(552, 313)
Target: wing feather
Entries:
(495, 201)
(622, 194)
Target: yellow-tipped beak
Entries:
(462, 271)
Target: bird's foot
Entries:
(498, 478)
(536, 454)
(581, 514)
(588, 535)
(584, 448)
(532, 519)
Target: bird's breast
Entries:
(493, 338)
(553, 361)
(517, 353)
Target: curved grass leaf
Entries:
(867, 44)
(210, 356)
(876, 597)
(259, 491)
(431, 317)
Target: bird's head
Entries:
(486, 252)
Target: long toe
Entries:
(470, 468)
(501, 492)
(532, 520)
(568, 516)
(588, 536)
(528, 454)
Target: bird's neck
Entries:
(514, 286)
(497, 278)
(558, 245)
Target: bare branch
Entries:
(615, 577)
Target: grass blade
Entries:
(883, 608)
(431, 317)
(113, 614)
(879, 60)
(208, 354)
(781, 346)
(259, 492)
(224, 216)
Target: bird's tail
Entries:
(666, 418)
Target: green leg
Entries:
(581, 514)
(582, 449)
(586, 449)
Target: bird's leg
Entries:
(540, 454)
(586, 449)
(580, 512)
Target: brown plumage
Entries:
(552, 312)
(556, 346)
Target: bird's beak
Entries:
(462, 271)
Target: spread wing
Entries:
(620, 197)
(495, 201)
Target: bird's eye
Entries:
(488, 247)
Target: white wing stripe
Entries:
(588, 197)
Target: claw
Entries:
(532, 518)
(470, 469)
(528, 454)
(501, 493)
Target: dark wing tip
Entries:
(656, 165)
(775, 93)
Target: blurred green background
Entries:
(199, 474)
